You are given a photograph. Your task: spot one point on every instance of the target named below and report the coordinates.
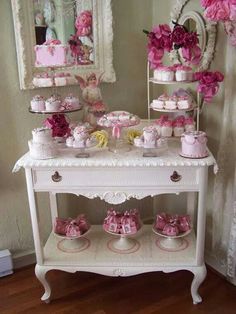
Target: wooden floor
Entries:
(90, 293)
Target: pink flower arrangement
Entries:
(162, 39)
(58, 124)
(222, 11)
(208, 84)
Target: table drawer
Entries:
(115, 177)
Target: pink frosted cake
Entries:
(166, 128)
(37, 103)
(194, 144)
(53, 53)
(42, 145)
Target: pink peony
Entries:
(219, 11)
(208, 84)
(232, 1)
(233, 12)
(192, 55)
(190, 40)
(83, 23)
(155, 57)
(178, 35)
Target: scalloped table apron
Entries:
(116, 178)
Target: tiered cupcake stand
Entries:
(195, 106)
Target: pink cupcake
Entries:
(171, 103)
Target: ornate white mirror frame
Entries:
(207, 30)
(25, 40)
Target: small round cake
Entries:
(38, 103)
(184, 102)
(178, 128)
(158, 73)
(53, 103)
(166, 128)
(168, 74)
(194, 144)
(171, 103)
(71, 102)
(42, 135)
(183, 73)
(150, 136)
(42, 145)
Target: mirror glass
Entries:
(85, 26)
(66, 21)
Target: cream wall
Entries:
(129, 92)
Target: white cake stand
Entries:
(123, 244)
(73, 244)
(171, 243)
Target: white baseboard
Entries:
(24, 259)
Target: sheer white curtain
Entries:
(224, 198)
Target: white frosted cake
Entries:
(71, 102)
(37, 103)
(53, 104)
(194, 144)
(42, 145)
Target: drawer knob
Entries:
(175, 177)
(56, 177)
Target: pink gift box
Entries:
(53, 55)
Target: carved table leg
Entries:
(199, 276)
(40, 273)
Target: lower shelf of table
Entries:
(97, 252)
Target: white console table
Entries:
(115, 179)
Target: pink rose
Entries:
(232, 1)
(219, 11)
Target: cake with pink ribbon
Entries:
(194, 144)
